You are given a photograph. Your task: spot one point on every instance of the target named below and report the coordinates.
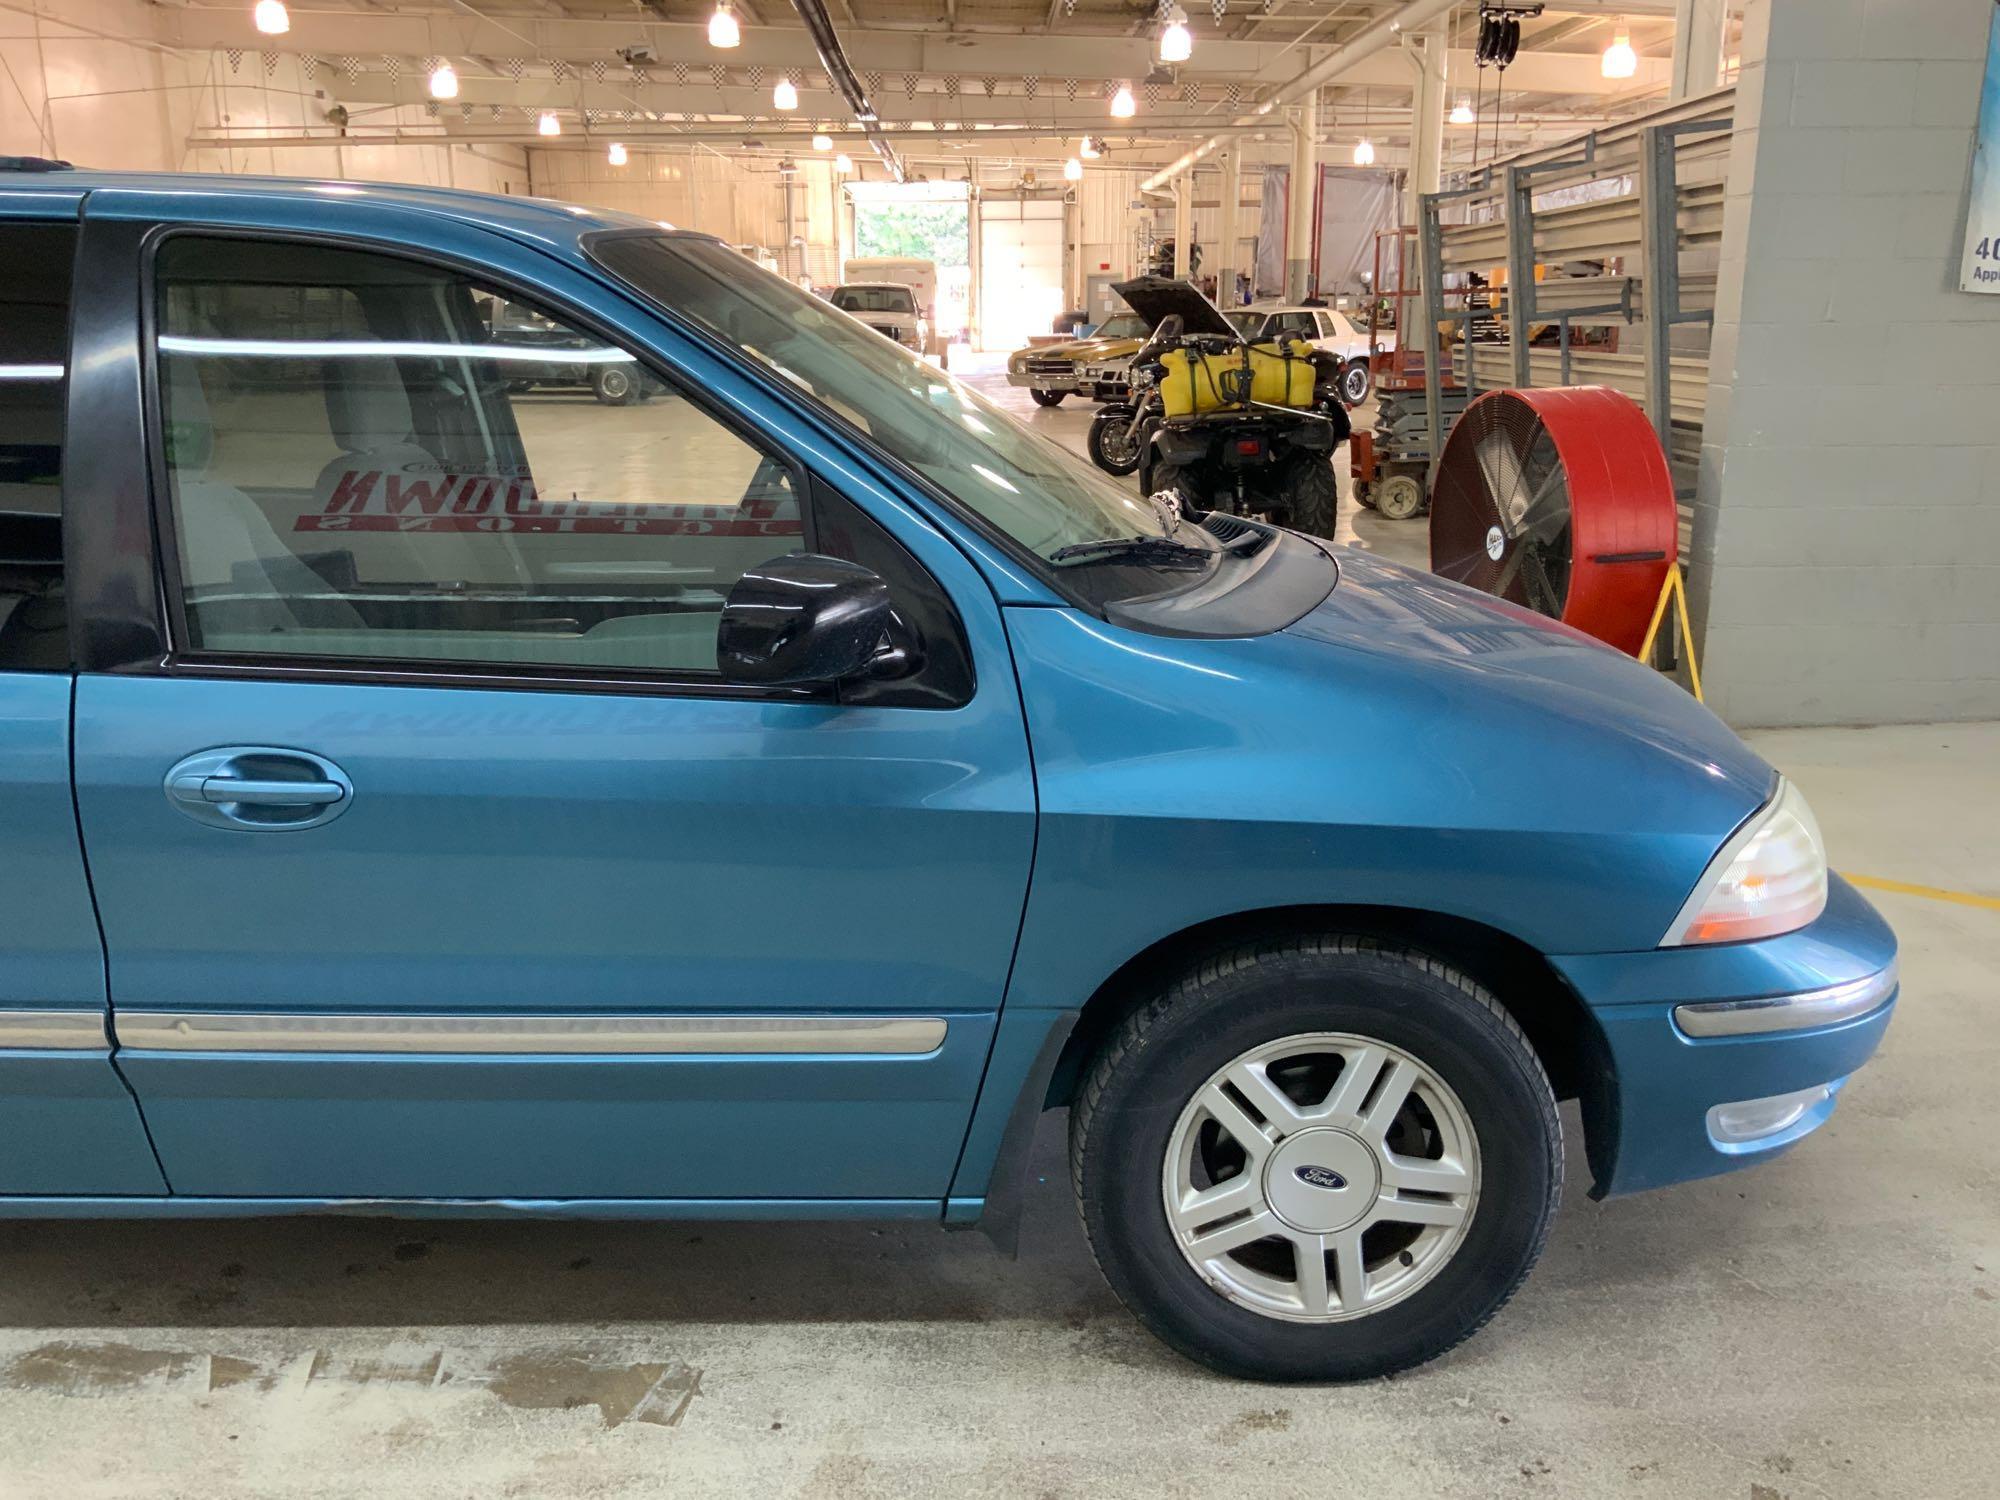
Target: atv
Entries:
(1201, 422)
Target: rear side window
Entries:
(369, 458)
(35, 261)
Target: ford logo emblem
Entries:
(1319, 1177)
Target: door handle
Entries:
(259, 787)
(266, 793)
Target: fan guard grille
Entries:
(1559, 501)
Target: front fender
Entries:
(1523, 779)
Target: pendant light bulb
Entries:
(271, 17)
(722, 28)
(1123, 106)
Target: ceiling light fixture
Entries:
(1123, 106)
(1364, 152)
(617, 154)
(1073, 170)
(785, 95)
(548, 124)
(271, 17)
(822, 141)
(1620, 61)
(1176, 41)
(1089, 150)
(1461, 114)
(843, 163)
(444, 81)
(722, 28)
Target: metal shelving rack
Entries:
(1636, 199)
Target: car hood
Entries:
(1155, 298)
(1510, 671)
(1092, 348)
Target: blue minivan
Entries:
(427, 787)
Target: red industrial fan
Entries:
(1560, 501)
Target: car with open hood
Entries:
(432, 792)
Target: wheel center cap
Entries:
(1321, 1180)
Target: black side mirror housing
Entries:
(804, 618)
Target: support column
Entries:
(1698, 31)
(1222, 254)
(1426, 56)
(1183, 222)
(1300, 198)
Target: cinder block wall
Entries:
(1846, 557)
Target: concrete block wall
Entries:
(1846, 555)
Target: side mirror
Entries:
(805, 618)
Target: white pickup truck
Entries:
(865, 275)
(889, 308)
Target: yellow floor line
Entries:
(1931, 892)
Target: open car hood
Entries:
(1155, 298)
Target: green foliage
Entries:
(932, 231)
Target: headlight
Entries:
(1769, 878)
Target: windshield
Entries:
(877, 299)
(1125, 326)
(1246, 324)
(1041, 495)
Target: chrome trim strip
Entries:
(191, 1031)
(1839, 1002)
(52, 1031)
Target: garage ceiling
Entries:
(1007, 78)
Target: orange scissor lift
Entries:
(1389, 463)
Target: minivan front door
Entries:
(439, 862)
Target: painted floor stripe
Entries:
(1929, 892)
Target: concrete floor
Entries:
(1825, 1325)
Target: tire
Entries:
(1108, 448)
(614, 385)
(1356, 381)
(1181, 479)
(1047, 398)
(1310, 491)
(1399, 496)
(1140, 1128)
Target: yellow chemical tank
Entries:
(1280, 375)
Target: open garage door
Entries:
(1020, 269)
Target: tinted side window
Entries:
(370, 458)
(35, 261)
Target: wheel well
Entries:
(1558, 1024)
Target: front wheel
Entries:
(1321, 1158)
(1114, 447)
(614, 385)
(1048, 398)
(1355, 382)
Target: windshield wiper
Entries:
(1147, 551)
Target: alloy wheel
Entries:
(1321, 1177)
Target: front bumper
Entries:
(1704, 1043)
(1038, 380)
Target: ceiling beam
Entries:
(930, 54)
